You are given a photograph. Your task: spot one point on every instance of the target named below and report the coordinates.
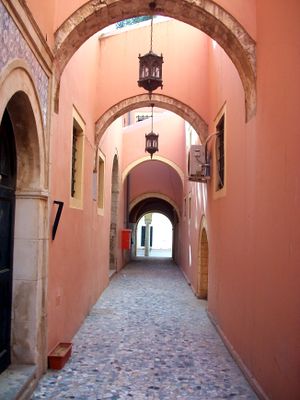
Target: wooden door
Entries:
(7, 205)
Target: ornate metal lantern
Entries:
(150, 71)
(151, 139)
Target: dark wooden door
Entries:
(143, 235)
(7, 205)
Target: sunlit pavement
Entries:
(161, 253)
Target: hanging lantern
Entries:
(150, 71)
(151, 139)
(151, 143)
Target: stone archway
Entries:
(161, 196)
(205, 15)
(19, 98)
(154, 236)
(158, 100)
(151, 203)
(8, 171)
(202, 289)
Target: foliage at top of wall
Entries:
(132, 21)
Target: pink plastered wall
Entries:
(194, 206)
(244, 11)
(254, 230)
(44, 16)
(170, 129)
(119, 58)
(229, 212)
(276, 243)
(144, 179)
(79, 255)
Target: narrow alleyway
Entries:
(148, 337)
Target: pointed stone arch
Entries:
(204, 15)
(19, 98)
(160, 101)
(16, 78)
(149, 195)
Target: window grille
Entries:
(220, 154)
(142, 117)
(74, 154)
(77, 161)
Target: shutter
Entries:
(143, 235)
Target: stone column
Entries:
(148, 220)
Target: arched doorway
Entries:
(154, 204)
(113, 237)
(154, 236)
(20, 105)
(202, 290)
(7, 210)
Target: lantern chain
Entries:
(152, 105)
(151, 38)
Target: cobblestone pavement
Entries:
(147, 337)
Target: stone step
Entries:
(17, 382)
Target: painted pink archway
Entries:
(163, 160)
(205, 15)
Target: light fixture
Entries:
(151, 145)
(150, 70)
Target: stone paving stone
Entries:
(147, 337)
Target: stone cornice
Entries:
(32, 194)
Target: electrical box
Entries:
(198, 166)
(125, 239)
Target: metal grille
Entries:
(220, 154)
(74, 153)
(142, 117)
